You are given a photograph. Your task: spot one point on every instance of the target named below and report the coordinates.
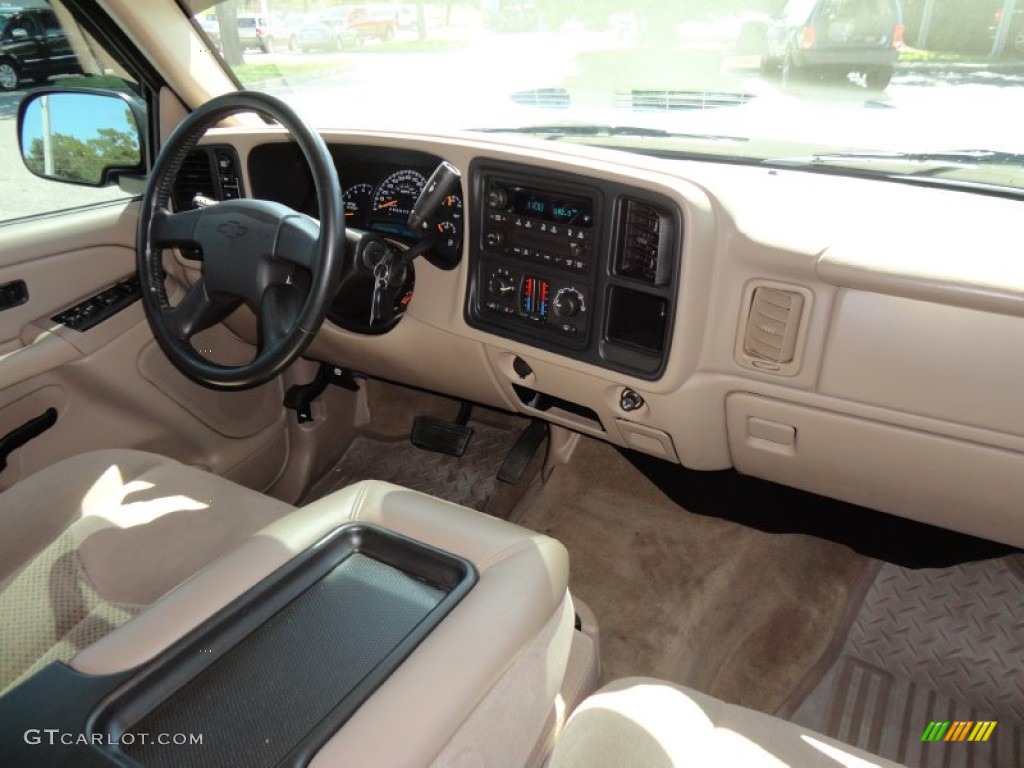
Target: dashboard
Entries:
(708, 314)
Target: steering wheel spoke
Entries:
(196, 312)
(277, 314)
(297, 241)
(170, 229)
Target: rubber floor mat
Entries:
(928, 645)
(470, 480)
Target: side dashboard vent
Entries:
(208, 171)
(772, 327)
(196, 177)
(646, 242)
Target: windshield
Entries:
(925, 88)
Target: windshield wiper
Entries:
(937, 161)
(558, 132)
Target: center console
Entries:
(320, 634)
(578, 266)
(375, 626)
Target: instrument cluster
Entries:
(380, 185)
(383, 205)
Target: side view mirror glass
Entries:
(80, 136)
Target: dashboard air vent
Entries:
(646, 242)
(196, 177)
(772, 325)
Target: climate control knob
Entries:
(568, 302)
(501, 284)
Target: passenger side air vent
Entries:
(771, 329)
(645, 243)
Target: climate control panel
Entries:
(553, 304)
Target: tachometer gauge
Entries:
(358, 199)
(397, 194)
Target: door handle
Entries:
(13, 294)
(30, 430)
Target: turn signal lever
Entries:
(443, 181)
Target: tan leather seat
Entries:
(89, 541)
(481, 689)
(653, 724)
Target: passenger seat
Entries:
(650, 723)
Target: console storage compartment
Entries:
(274, 674)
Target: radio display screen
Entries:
(560, 209)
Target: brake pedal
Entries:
(432, 434)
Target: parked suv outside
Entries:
(33, 46)
(822, 38)
(264, 33)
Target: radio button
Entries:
(494, 239)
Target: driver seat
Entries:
(90, 541)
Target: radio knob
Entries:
(494, 239)
(568, 302)
(497, 198)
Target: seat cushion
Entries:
(91, 540)
(653, 724)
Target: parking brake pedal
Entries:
(440, 436)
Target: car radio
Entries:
(581, 267)
(539, 226)
(538, 250)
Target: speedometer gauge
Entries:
(397, 194)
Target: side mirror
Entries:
(81, 136)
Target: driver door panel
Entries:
(111, 385)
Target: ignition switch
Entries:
(630, 400)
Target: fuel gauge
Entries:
(449, 236)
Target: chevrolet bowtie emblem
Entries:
(231, 229)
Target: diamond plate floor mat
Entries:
(470, 480)
(927, 646)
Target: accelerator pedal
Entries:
(432, 434)
(526, 446)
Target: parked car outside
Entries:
(321, 36)
(34, 46)
(833, 38)
(264, 33)
(370, 21)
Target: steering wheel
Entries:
(280, 263)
